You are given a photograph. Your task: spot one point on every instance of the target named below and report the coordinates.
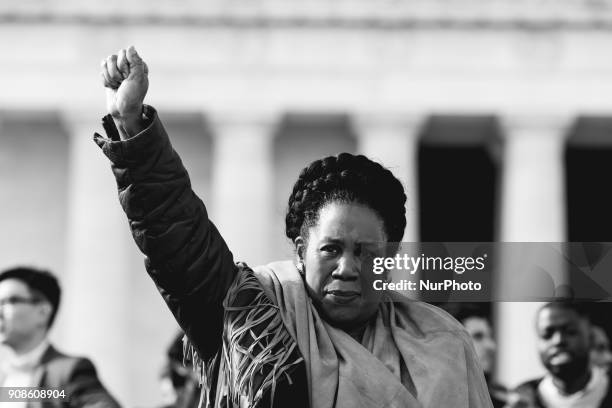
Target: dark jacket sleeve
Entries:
(76, 378)
(85, 389)
(527, 394)
(185, 254)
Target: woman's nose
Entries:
(348, 268)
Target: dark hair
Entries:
(176, 368)
(346, 178)
(40, 282)
(580, 308)
(174, 352)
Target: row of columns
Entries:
(105, 276)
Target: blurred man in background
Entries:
(178, 380)
(477, 324)
(29, 299)
(564, 345)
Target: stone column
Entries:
(3, 351)
(392, 140)
(96, 291)
(533, 185)
(242, 186)
(532, 210)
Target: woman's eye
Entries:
(330, 249)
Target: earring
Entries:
(300, 267)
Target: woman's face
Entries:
(337, 258)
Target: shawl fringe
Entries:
(257, 349)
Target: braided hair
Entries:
(346, 178)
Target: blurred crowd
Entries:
(574, 352)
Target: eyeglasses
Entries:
(17, 300)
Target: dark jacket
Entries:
(498, 394)
(76, 376)
(186, 256)
(529, 391)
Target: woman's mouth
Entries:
(342, 296)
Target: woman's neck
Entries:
(357, 333)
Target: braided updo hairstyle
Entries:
(346, 178)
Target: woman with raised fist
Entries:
(311, 332)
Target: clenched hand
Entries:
(125, 76)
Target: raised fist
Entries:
(125, 76)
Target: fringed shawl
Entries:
(412, 354)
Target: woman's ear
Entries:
(300, 248)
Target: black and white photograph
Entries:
(314, 203)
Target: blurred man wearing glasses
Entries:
(29, 299)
